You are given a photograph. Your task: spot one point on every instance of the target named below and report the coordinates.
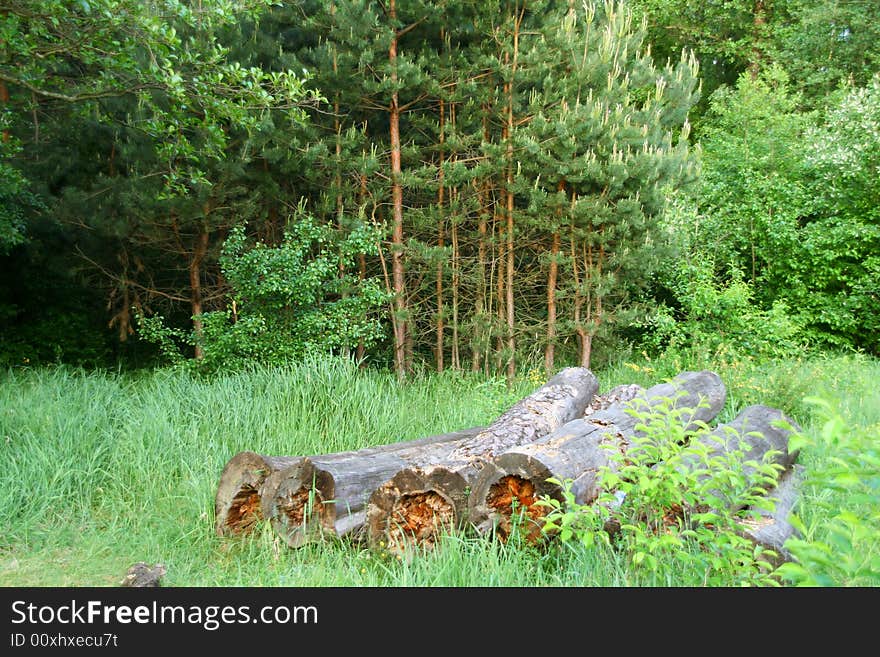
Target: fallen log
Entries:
(773, 526)
(318, 496)
(247, 479)
(421, 501)
(761, 431)
(517, 478)
(757, 434)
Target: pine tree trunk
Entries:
(511, 340)
(362, 266)
(584, 341)
(456, 282)
(441, 242)
(195, 284)
(478, 339)
(481, 291)
(400, 322)
(550, 349)
(456, 265)
(498, 245)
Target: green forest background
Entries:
(485, 186)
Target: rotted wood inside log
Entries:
(302, 505)
(513, 499)
(244, 512)
(298, 507)
(342, 484)
(414, 508)
(417, 519)
(249, 482)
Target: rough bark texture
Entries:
(577, 451)
(757, 434)
(327, 495)
(400, 510)
(762, 434)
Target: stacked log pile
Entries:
(404, 494)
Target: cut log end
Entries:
(512, 500)
(237, 503)
(418, 519)
(301, 506)
(244, 512)
(415, 508)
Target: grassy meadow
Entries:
(103, 469)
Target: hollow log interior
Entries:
(512, 494)
(418, 518)
(244, 512)
(300, 505)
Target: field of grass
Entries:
(103, 469)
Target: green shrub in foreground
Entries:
(845, 553)
(668, 502)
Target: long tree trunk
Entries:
(195, 284)
(399, 319)
(550, 349)
(511, 87)
(456, 264)
(478, 338)
(456, 282)
(362, 265)
(498, 244)
(583, 339)
(441, 242)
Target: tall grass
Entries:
(102, 469)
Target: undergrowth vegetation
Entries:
(102, 469)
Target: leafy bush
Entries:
(669, 500)
(719, 319)
(287, 301)
(844, 553)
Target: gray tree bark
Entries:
(249, 479)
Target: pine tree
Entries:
(607, 142)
